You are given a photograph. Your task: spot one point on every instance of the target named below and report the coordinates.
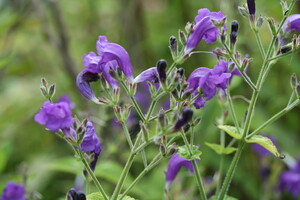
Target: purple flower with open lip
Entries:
(56, 116)
(147, 75)
(290, 180)
(110, 57)
(175, 164)
(13, 191)
(204, 29)
(209, 80)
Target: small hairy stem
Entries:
(93, 176)
(275, 117)
(197, 173)
(261, 48)
(135, 104)
(127, 135)
(153, 163)
(222, 143)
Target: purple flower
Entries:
(110, 56)
(204, 29)
(13, 191)
(209, 80)
(291, 23)
(147, 75)
(290, 180)
(251, 6)
(55, 116)
(175, 164)
(260, 150)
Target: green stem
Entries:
(135, 104)
(93, 176)
(154, 118)
(231, 171)
(232, 111)
(261, 48)
(127, 135)
(222, 143)
(282, 55)
(153, 163)
(197, 173)
(275, 117)
(244, 75)
(152, 106)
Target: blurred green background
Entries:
(47, 38)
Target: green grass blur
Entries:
(48, 39)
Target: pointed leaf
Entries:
(220, 149)
(232, 131)
(264, 142)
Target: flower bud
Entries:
(285, 49)
(162, 149)
(52, 90)
(243, 11)
(81, 196)
(187, 94)
(72, 194)
(251, 7)
(294, 81)
(161, 70)
(234, 33)
(44, 82)
(272, 25)
(298, 90)
(186, 116)
(162, 119)
(182, 37)
(259, 22)
(145, 131)
(172, 150)
(44, 91)
(189, 28)
(173, 46)
(180, 71)
(223, 36)
(285, 7)
(175, 94)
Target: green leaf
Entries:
(98, 196)
(184, 152)
(232, 131)
(226, 198)
(220, 149)
(264, 142)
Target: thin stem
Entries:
(153, 163)
(232, 111)
(152, 106)
(291, 97)
(93, 176)
(154, 118)
(261, 48)
(135, 104)
(222, 143)
(192, 136)
(127, 135)
(231, 142)
(171, 68)
(197, 173)
(282, 55)
(275, 117)
(244, 75)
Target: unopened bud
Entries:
(259, 22)
(285, 7)
(186, 116)
(44, 91)
(182, 37)
(189, 28)
(72, 194)
(196, 121)
(251, 7)
(175, 94)
(173, 44)
(272, 25)
(162, 149)
(172, 150)
(187, 94)
(162, 119)
(81, 196)
(113, 73)
(294, 81)
(52, 90)
(161, 70)
(298, 90)
(186, 128)
(285, 49)
(243, 11)
(117, 110)
(44, 82)
(180, 71)
(223, 36)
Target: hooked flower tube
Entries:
(204, 29)
(110, 57)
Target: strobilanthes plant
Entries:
(172, 129)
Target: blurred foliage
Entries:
(47, 38)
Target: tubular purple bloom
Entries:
(186, 116)
(209, 80)
(261, 151)
(204, 29)
(175, 164)
(13, 191)
(291, 23)
(55, 116)
(147, 75)
(114, 52)
(83, 83)
(251, 6)
(290, 180)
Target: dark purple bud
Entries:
(186, 128)
(173, 43)
(187, 94)
(251, 6)
(72, 194)
(162, 118)
(182, 37)
(234, 32)
(272, 25)
(285, 49)
(298, 89)
(180, 71)
(175, 94)
(186, 116)
(223, 36)
(161, 70)
(44, 82)
(259, 22)
(162, 149)
(172, 150)
(81, 196)
(44, 91)
(52, 90)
